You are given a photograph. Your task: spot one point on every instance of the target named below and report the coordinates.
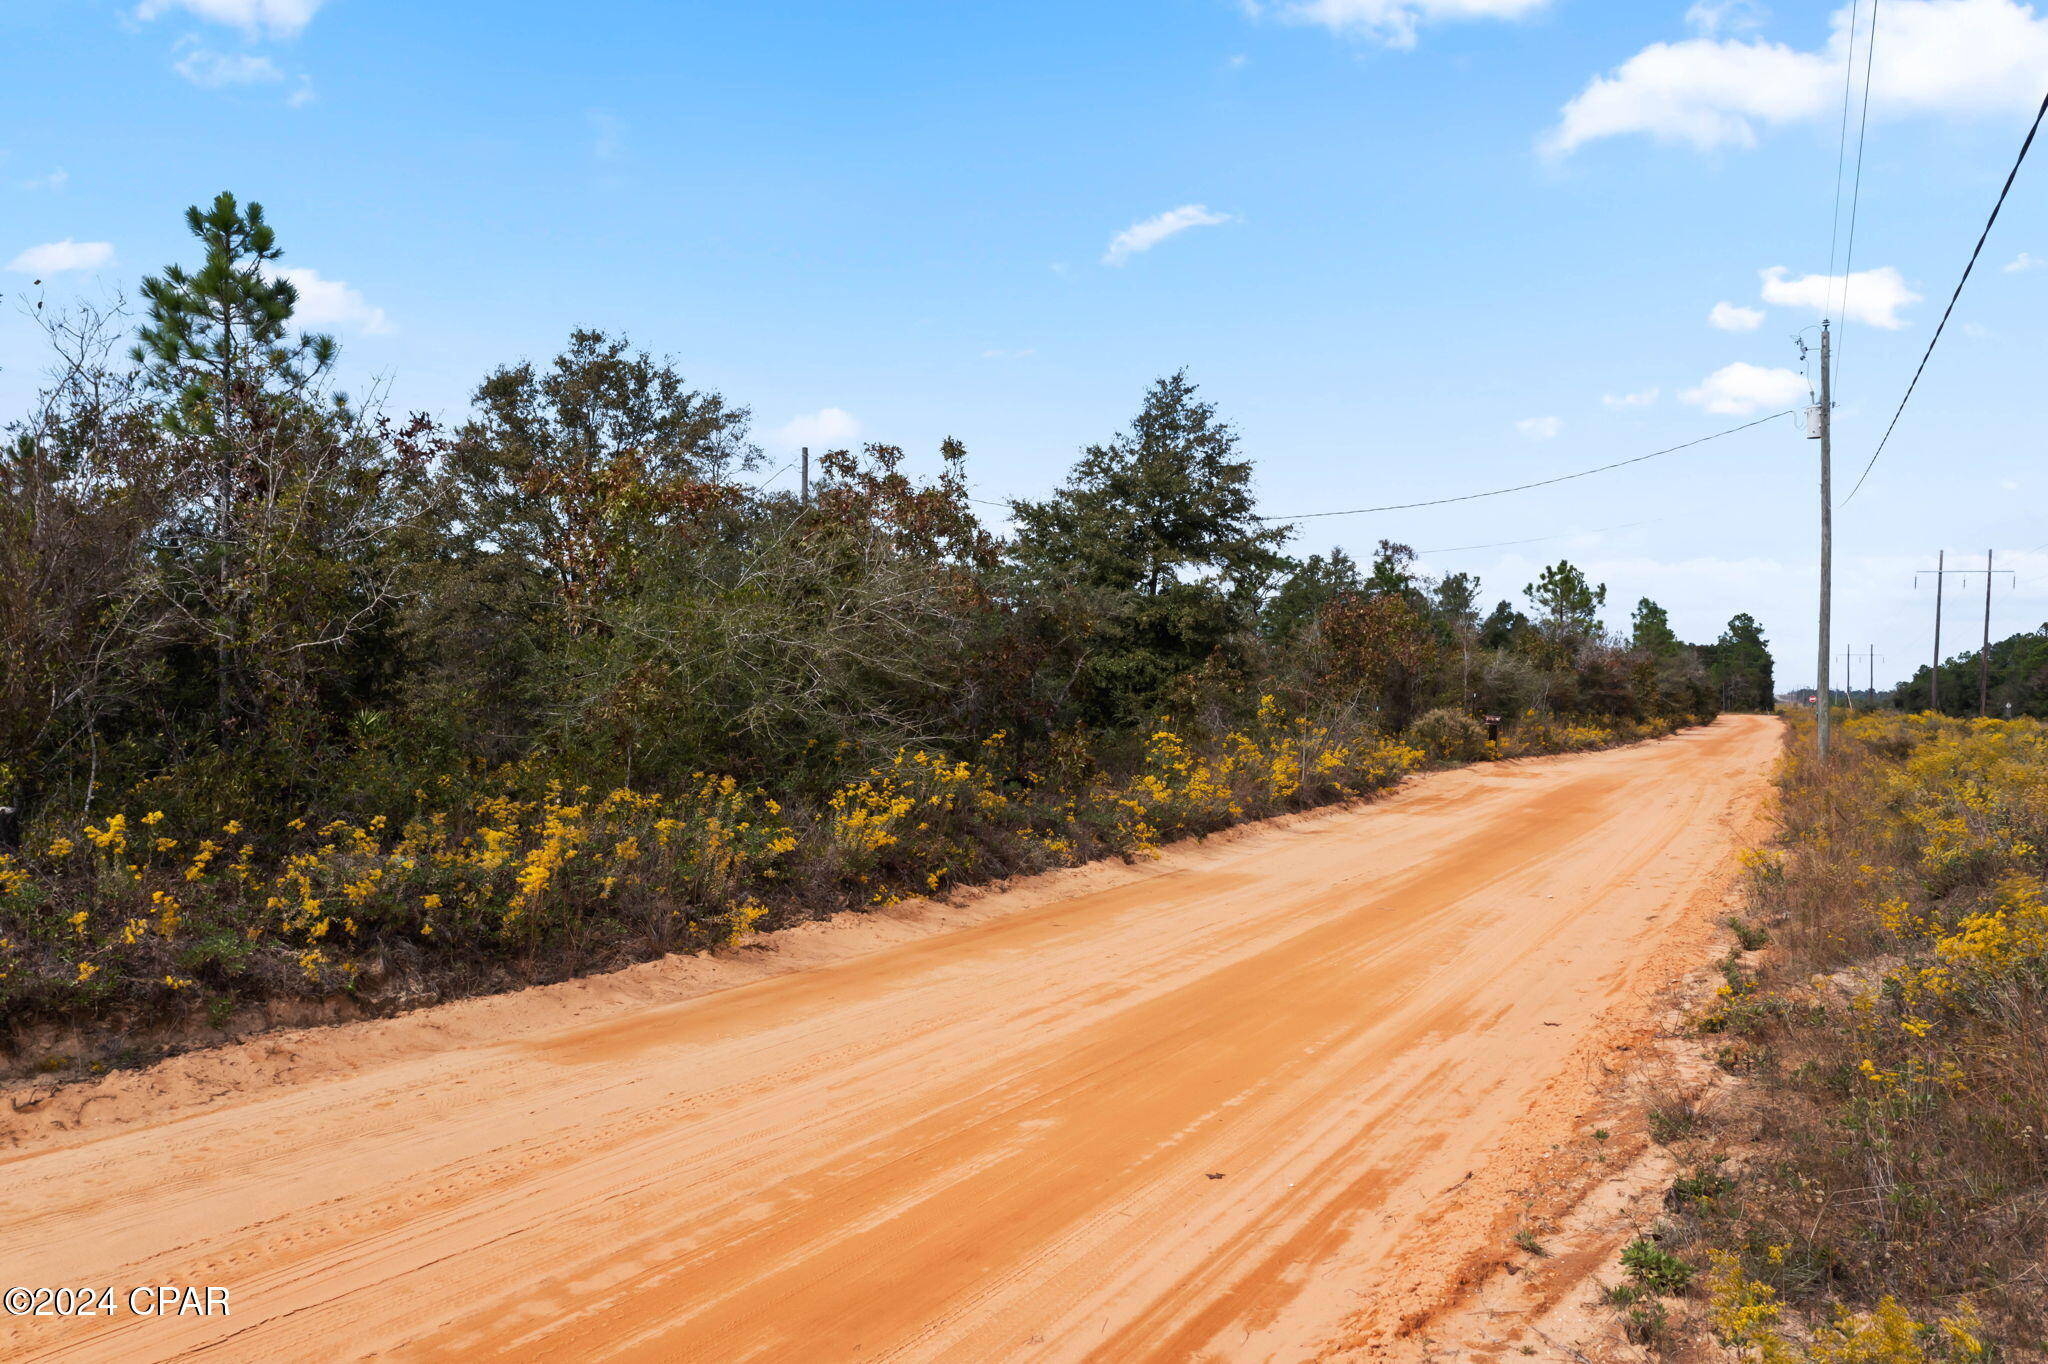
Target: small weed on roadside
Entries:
(1673, 1120)
(1648, 1325)
(1699, 1187)
(1749, 935)
(1623, 1294)
(1655, 1268)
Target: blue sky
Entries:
(1412, 248)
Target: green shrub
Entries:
(1748, 934)
(1649, 1325)
(1448, 735)
(1656, 1268)
(1624, 1294)
(1699, 1187)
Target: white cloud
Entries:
(1730, 318)
(1869, 296)
(278, 18)
(1540, 428)
(1392, 22)
(1968, 56)
(1143, 236)
(828, 428)
(1934, 57)
(1739, 389)
(2022, 261)
(1709, 18)
(1701, 91)
(332, 302)
(1627, 400)
(205, 67)
(60, 177)
(54, 258)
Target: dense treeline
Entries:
(2018, 678)
(1739, 666)
(295, 696)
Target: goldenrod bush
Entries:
(1538, 733)
(508, 875)
(1747, 1318)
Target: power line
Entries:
(1842, 144)
(1856, 195)
(1539, 540)
(1967, 268)
(1540, 483)
(1823, 705)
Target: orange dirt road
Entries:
(1264, 1098)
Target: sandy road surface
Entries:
(995, 1143)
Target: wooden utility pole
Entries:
(1849, 657)
(1869, 657)
(1827, 541)
(1941, 573)
(1934, 673)
(805, 497)
(1984, 654)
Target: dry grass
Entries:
(1890, 1199)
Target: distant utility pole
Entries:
(1984, 654)
(1941, 573)
(1827, 539)
(805, 498)
(1934, 673)
(1870, 657)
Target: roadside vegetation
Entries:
(301, 699)
(1877, 1190)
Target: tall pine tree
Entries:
(284, 501)
(1156, 530)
